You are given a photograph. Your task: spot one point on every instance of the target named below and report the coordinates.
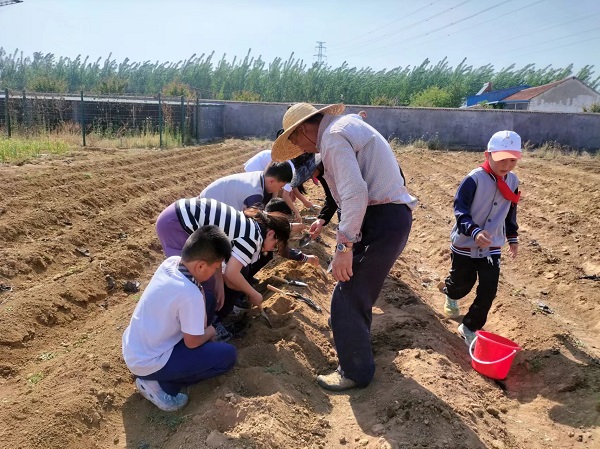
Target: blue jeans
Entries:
(385, 232)
(189, 366)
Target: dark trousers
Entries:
(248, 272)
(384, 234)
(232, 295)
(189, 366)
(462, 278)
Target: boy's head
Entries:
(204, 251)
(278, 205)
(503, 152)
(505, 145)
(277, 174)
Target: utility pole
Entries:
(320, 48)
(10, 2)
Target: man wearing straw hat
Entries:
(367, 184)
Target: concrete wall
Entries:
(210, 121)
(465, 128)
(473, 128)
(569, 96)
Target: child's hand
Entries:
(513, 249)
(219, 294)
(255, 298)
(313, 260)
(483, 239)
(316, 228)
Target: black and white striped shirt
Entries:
(244, 233)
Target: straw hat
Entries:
(283, 149)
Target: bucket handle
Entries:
(488, 363)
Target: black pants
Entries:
(385, 232)
(462, 278)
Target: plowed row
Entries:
(74, 229)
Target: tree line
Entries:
(290, 80)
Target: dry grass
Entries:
(555, 150)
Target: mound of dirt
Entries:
(77, 235)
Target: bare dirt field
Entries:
(74, 229)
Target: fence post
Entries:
(160, 129)
(7, 113)
(197, 117)
(24, 110)
(82, 118)
(182, 123)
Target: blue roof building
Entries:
(493, 96)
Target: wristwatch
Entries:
(343, 248)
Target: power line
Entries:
(458, 21)
(562, 24)
(10, 2)
(408, 27)
(493, 19)
(349, 42)
(439, 28)
(552, 40)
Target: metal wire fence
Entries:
(169, 120)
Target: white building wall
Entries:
(569, 96)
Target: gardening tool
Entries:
(304, 240)
(296, 295)
(320, 240)
(290, 282)
(263, 313)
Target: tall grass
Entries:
(19, 149)
(33, 142)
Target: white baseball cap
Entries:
(505, 145)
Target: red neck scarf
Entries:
(502, 185)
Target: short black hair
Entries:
(280, 132)
(208, 243)
(281, 171)
(278, 205)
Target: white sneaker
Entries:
(335, 381)
(451, 309)
(467, 334)
(151, 390)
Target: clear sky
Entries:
(376, 33)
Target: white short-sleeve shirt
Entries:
(260, 161)
(169, 306)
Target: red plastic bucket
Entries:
(493, 354)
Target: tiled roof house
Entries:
(567, 95)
